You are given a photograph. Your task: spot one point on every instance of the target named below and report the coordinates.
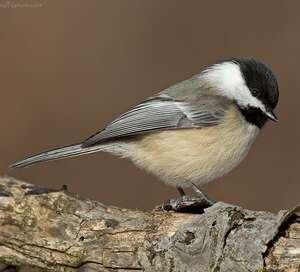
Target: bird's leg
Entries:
(186, 203)
(201, 195)
(181, 191)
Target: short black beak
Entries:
(271, 115)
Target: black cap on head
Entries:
(263, 85)
(260, 80)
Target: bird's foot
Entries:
(187, 204)
(203, 196)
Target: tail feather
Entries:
(56, 154)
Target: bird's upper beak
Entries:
(271, 115)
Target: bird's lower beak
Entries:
(271, 115)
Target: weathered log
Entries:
(60, 231)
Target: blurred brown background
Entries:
(69, 67)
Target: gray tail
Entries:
(56, 154)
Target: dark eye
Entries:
(254, 91)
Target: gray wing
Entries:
(162, 112)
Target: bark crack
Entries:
(63, 232)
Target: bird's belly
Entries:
(179, 157)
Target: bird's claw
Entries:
(186, 204)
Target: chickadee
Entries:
(192, 132)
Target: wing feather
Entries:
(161, 112)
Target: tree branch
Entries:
(61, 231)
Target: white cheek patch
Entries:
(228, 79)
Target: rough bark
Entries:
(60, 231)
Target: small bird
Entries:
(192, 132)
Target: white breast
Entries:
(191, 155)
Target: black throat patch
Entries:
(255, 116)
(262, 84)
